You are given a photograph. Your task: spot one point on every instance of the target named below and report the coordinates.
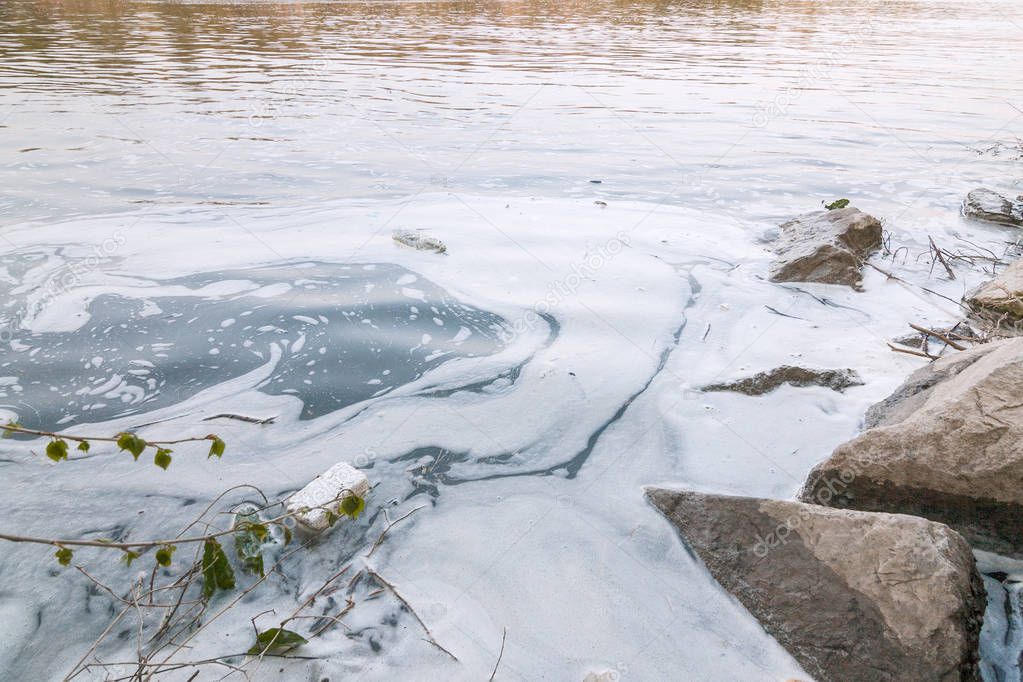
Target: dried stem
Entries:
(394, 590)
(938, 335)
(390, 525)
(910, 351)
(504, 635)
(941, 257)
(148, 544)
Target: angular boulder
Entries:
(851, 595)
(826, 246)
(947, 446)
(1001, 298)
(984, 204)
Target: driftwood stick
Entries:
(941, 337)
(910, 351)
(884, 272)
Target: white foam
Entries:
(582, 573)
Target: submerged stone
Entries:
(765, 382)
(419, 241)
(987, 205)
(1001, 299)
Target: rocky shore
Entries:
(870, 574)
(851, 595)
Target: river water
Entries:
(197, 206)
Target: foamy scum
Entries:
(525, 386)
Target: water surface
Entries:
(196, 202)
(744, 105)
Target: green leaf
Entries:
(131, 443)
(162, 458)
(84, 446)
(352, 506)
(63, 555)
(164, 554)
(56, 449)
(12, 426)
(331, 518)
(249, 537)
(217, 447)
(276, 639)
(838, 203)
(129, 556)
(287, 535)
(217, 573)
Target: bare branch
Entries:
(504, 636)
(394, 590)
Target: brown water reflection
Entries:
(726, 105)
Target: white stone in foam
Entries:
(341, 480)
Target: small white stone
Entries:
(342, 479)
(602, 676)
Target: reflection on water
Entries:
(724, 104)
(344, 333)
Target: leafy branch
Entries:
(345, 504)
(57, 448)
(228, 559)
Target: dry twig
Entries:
(941, 258)
(938, 335)
(500, 655)
(394, 590)
(910, 351)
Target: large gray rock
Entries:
(1001, 299)
(984, 204)
(851, 595)
(948, 446)
(826, 246)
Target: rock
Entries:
(947, 445)
(1002, 297)
(913, 392)
(605, 675)
(983, 204)
(826, 246)
(851, 595)
(419, 241)
(765, 382)
(337, 482)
